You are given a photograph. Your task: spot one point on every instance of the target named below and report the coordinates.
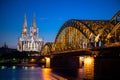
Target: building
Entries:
(29, 42)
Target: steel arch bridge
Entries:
(83, 34)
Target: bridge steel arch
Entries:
(113, 20)
(77, 34)
(86, 29)
(78, 24)
(46, 49)
(92, 30)
(114, 33)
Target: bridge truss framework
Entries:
(80, 34)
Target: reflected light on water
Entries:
(88, 67)
(13, 67)
(81, 73)
(25, 67)
(46, 73)
(88, 60)
(32, 67)
(3, 67)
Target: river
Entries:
(96, 69)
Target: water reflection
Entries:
(3, 67)
(86, 70)
(25, 67)
(99, 68)
(28, 73)
(13, 67)
(25, 73)
(88, 67)
(32, 67)
(92, 69)
(81, 73)
(46, 72)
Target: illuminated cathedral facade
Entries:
(31, 41)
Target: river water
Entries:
(94, 69)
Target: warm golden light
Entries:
(43, 60)
(80, 61)
(88, 60)
(46, 74)
(88, 67)
(32, 67)
(47, 62)
(32, 60)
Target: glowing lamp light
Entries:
(2, 67)
(13, 67)
(43, 60)
(32, 60)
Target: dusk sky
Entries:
(50, 16)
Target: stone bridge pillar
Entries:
(65, 62)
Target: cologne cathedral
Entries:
(29, 42)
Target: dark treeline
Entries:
(7, 53)
(12, 56)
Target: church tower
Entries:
(25, 28)
(29, 42)
(34, 29)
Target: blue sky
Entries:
(50, 15)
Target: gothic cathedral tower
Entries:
(25, 28)
(33, 29)
(30, 42)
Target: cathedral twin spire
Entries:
(33, 29)
(34, 21)
(25, 21)
(29, 42)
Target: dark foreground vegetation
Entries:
(9, 57)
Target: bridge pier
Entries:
(65, 62)
(47, 59)
(81, 62)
